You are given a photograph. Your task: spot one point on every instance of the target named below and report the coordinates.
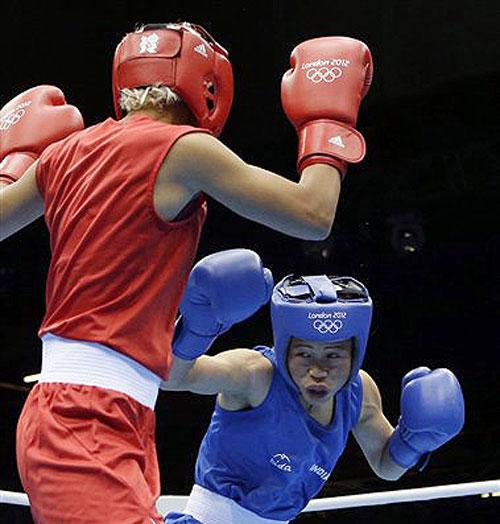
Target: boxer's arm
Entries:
(199, 162)
(20, 203)
(373, 432)
(241, 373)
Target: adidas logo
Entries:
(201, 50)
(336, 141)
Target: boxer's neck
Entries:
(177, 114)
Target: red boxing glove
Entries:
(321, 96)
(28, 124)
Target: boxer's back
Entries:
(117, 270)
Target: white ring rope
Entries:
(168, 503)
(404, 495)
(11, 497)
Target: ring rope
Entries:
(177, 502)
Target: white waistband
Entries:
(91, 364)
(211, 508)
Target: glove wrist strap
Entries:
(330, 142)
(13, 166)
(401, 452)
(189, 345)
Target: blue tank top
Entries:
(274, 458)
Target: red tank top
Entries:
(117, 271)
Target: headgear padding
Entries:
(322, 309)
(183, 57)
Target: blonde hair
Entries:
(156, 97)
(140, 28)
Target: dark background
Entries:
(417, 220)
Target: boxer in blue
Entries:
(283, 414)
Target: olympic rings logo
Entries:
(149, 44)
(11, 119)
(324, 74)
(328, 326)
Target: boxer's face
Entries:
(319, 369)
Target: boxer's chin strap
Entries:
(322, 288)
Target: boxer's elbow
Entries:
(390, 475)
(319, 223)
(316, 234)
(173, 384)
(324, 228)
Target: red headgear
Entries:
(183, 57)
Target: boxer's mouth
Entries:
(318, 392)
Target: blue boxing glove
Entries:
(223, 289)
(432, 412)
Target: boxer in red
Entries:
(124, 202)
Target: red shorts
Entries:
(87, 455)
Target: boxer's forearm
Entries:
(373, 432)
(178, 374)
(303, 210)
(232, 372)
(20, 204)
(200, 163)
(373, 439)
(204, 375)
(387, 468)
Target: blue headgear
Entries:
(323, 309)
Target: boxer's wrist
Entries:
(339, 165)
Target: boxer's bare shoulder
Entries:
(255, 381)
